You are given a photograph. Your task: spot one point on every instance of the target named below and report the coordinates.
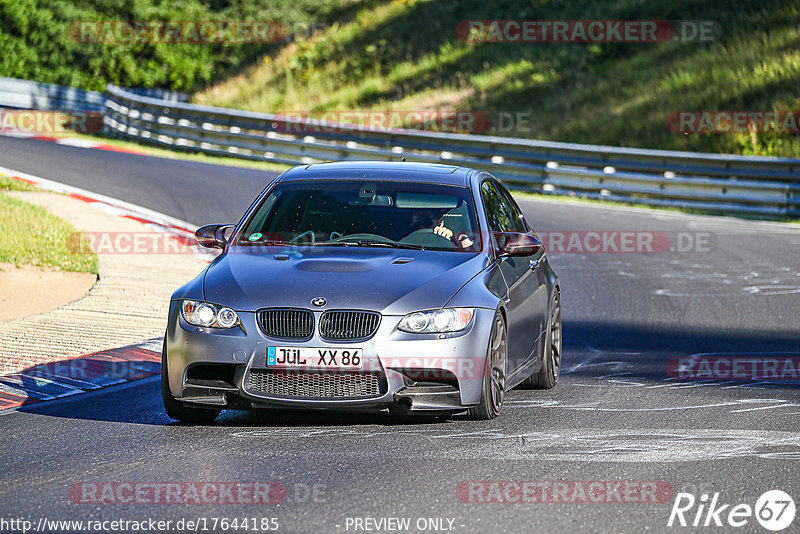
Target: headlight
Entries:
(204, 314)
(437, 321)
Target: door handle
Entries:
(535, 263)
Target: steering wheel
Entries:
(425, 237)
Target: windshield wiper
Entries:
(370, 243)
(266, 243)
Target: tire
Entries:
(547, 377)
(494, 380)
(176, 409)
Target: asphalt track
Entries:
(616, 414)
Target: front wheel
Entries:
(176, 409)
(494, 379)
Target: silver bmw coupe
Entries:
(407, 287)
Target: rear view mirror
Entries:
(516, 244)
(368, 196)
(214, 235)
(377, 200)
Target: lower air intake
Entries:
(316, 384)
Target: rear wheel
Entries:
(548, 375)
(494, 379)
(176, 409)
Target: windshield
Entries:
(363, 213)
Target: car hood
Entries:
(391, 281)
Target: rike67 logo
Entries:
(774, 510)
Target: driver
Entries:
(463, 240)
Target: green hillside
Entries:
(38, 39)
(406, 55)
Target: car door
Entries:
(526, 289)
(537, 303)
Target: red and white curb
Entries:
(65, 378)
(181, 231)
(70, 141)
(105, 368)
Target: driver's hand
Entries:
(443, 231)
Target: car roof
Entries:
(396, 171)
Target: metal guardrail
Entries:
(741, 185)
(26, 94)
(722, 183)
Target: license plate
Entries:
(315, 357)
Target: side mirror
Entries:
(516, 244)
(214, 235)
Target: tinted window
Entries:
(341, 212)
(516, 214)
(501, 218)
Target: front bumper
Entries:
(418, 372)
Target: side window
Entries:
(513, 209)
(500, 218)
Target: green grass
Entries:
(405, 55)
(30, 235)
(10, 184)
(37, 42)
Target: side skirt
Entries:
(532, 365)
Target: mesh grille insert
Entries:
(286, 323)
(316, 384)
(348, 325)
